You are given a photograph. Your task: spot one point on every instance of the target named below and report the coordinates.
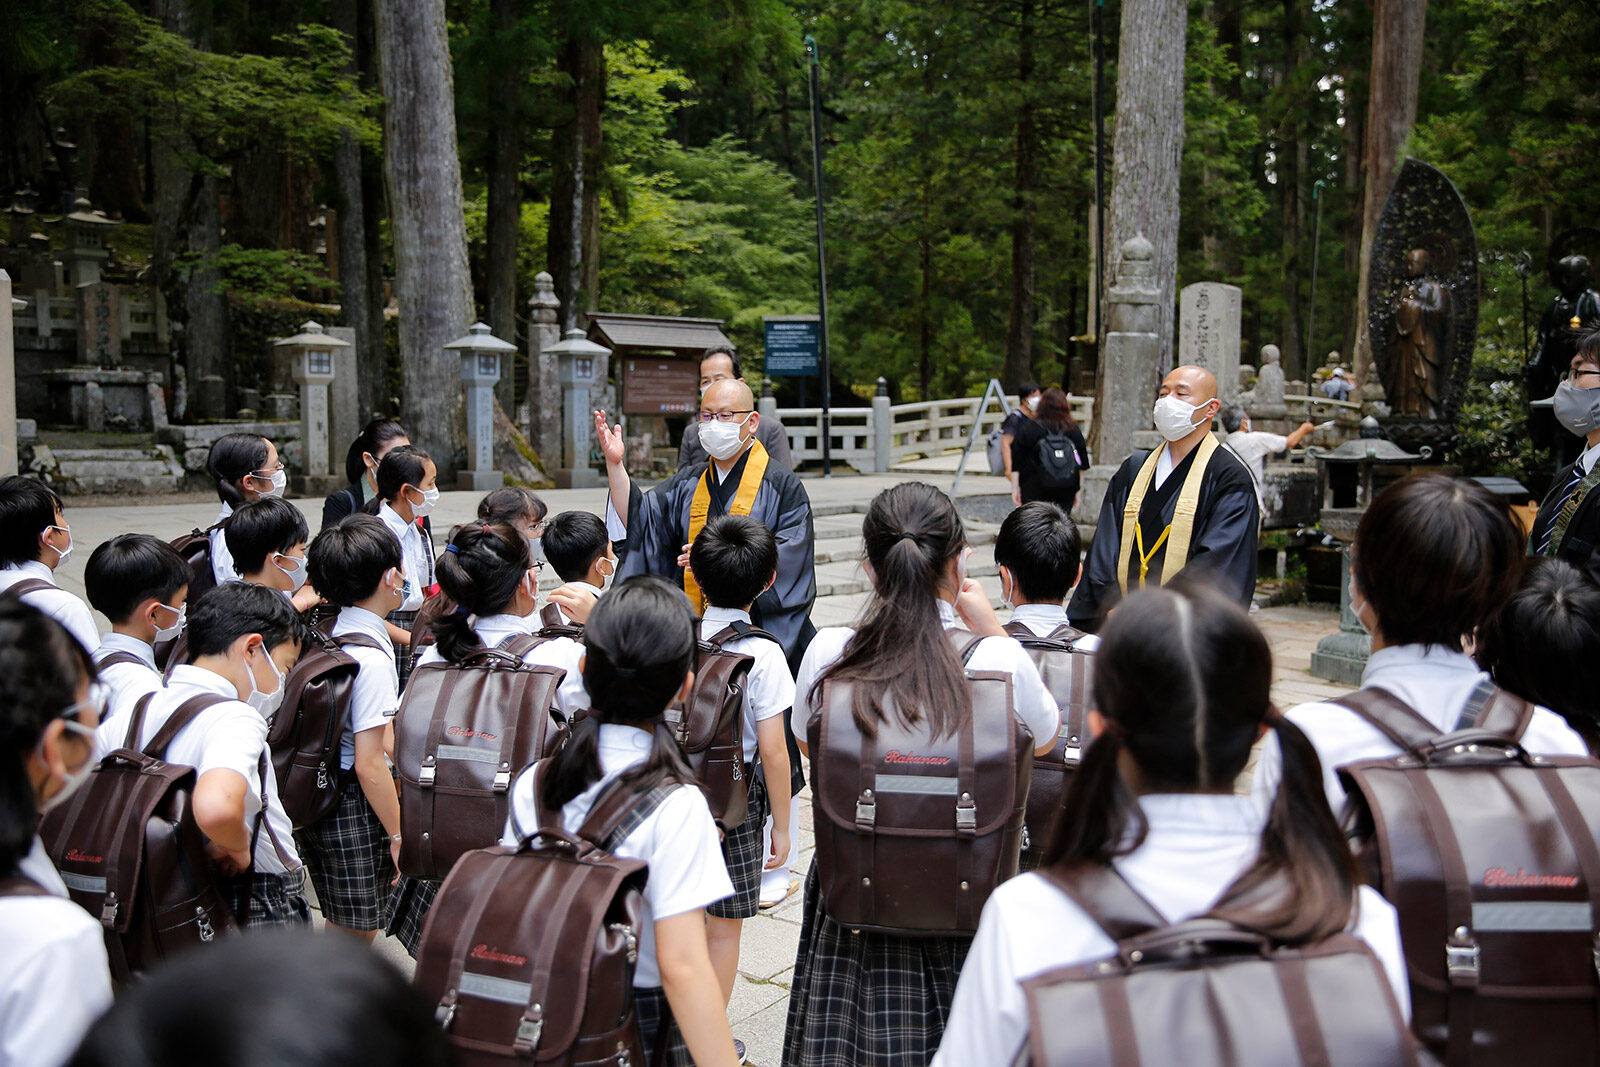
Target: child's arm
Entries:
(378, 784)
(219, 812)
(692, 989)
(775, 766)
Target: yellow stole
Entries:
(755, 469)
(1177, 534)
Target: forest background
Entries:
(655, 158)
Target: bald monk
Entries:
(652, 531)
(1187, 508)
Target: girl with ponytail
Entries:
(245, 467)
(639, 658)
(1181, 696)
(900, 664)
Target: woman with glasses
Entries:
(1568, 523)
(54, 980)
(246, 467)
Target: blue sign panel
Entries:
(793, 347)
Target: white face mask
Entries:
(61, 553)
(74, 779)
(296, 570)
(1174, 419)
(1032, 404)
(722, 439)
(265, 703)
(280, 478)
(167, 633)
(430, 498)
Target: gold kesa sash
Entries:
(1177, 534)
(755, 469)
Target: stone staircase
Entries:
(122, 471)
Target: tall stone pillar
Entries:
(1131, 374)
(8, 381)
(544, 390)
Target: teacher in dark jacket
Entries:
(1568, 523)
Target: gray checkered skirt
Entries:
(269, 901)
(347, 858)
(741, 851)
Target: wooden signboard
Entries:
(660, 385)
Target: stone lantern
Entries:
(86, 235)
(311, 361)
(1341, 657)
(580, 368)
(481, 353)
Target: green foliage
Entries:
(260, 276)
(1492, 430)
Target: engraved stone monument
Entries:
(1208, 331)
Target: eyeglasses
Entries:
(723, 416)
(266, 472)
(1573, 375)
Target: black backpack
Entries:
(1058, 461)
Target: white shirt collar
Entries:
(947, 615)
(1406, 658)
(712, 614)
(34, 569)
(354, 619)
(391, 518)
(187, 675)
(1205, 813)
(124, 643)
(506, 623)
(1044, 613)
(1163, 466)
(227, 509)
(1589, 455)
(598, 590)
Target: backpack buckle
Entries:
(445, 1013)
(502, 779)
(108, 910)
(866, 811)
(1597, 954)
(966, 815)
(529, 1030)
(425, 778)
(1461, 957)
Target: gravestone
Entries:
(1208, 331)
(99, 324)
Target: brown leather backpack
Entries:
(1207, 993)
(308, 729)
(463, 731)
(709, 724)
(1491, 855)
(130, 853)
(529, 953)
(195, 548)
(913, 833)
(1068, 674)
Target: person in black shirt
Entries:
(1047, 453)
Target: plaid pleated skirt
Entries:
(402, 652)
(347, 858)
(409, 903)
(867, 999)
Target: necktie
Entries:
(1568, 492)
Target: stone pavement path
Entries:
(766, 966)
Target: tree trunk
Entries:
(1147, 148)
(925, 313)
(1291, 162)
(505, 199)
(1024, 213)
(432, 283)
(572, 249)
(1397, 27)
(359, 298)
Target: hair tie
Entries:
(453, 548)
(904, 534)
(627, 674)
(461, 610)
(486, 528)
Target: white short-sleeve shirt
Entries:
(376, 692)
(1034, 705)
(1197, 845)
(770, 689)
(416, 553)
(221, 559)
(678, 840)
(1434, 680)
(231, 735)
(563, 652)
(126, 682)
(57, 603)
(54, 979)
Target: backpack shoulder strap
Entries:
(520, 645)
(22, 588)
(737, 629)
(1066, 633)
(20, 885)
(550, 616)
(1107, 898)
(364, 641)
(112, 659)
(966, 643)
(1492, 708)
(620, 809)
(182, 716)
(1391, 716)
(136, 721)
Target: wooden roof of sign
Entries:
(655, 333)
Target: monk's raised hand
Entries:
(610, 438)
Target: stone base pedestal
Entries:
(479, 481)
(579, 478)
(312, 485)
(1092, 487)
(1342, 657)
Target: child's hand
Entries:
(575, 600)
(778, 854)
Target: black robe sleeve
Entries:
(1222, 550)
(1098, 590)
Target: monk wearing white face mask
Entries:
(1187, 507)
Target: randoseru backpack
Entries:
(1068, 674)
(529, 953)
(1207, 993)
(127, 847)
(195, 548)
(1491, 855)
(462, 733)
(913, 833)
(1058, 461)
(308, 729)
(709, 724)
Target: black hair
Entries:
(223, 615)
(311, 999)
(1586, 347)
(373, 436)
(725, 350)
(911, 532)
(573, 540)
(734, 558)
(1541, 644)
(348, 559)
(1040, 545)
(639, 644)
(1232, 417)
(1436, 557)
(41, 670)
(480, 570)
(258, 529)
(129, 569)
(27, 508)
(403, 466)
(1026, 389)
(233, 457)
(1182, 678)
(511, 504)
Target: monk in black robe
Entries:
(652, 531)
(1190, 497)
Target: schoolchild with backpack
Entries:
(351, 853)
(640, 648)
(1152, 837)
(1472, 810)
(34, 541)
(488, 573)
(920, 735)
(267, 540)
(734, 560)
(579, 552)
(54, 979)
(246, 467)
(141, 584)
(408, 491)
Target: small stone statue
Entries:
(1422, 319)
(1265, 401)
